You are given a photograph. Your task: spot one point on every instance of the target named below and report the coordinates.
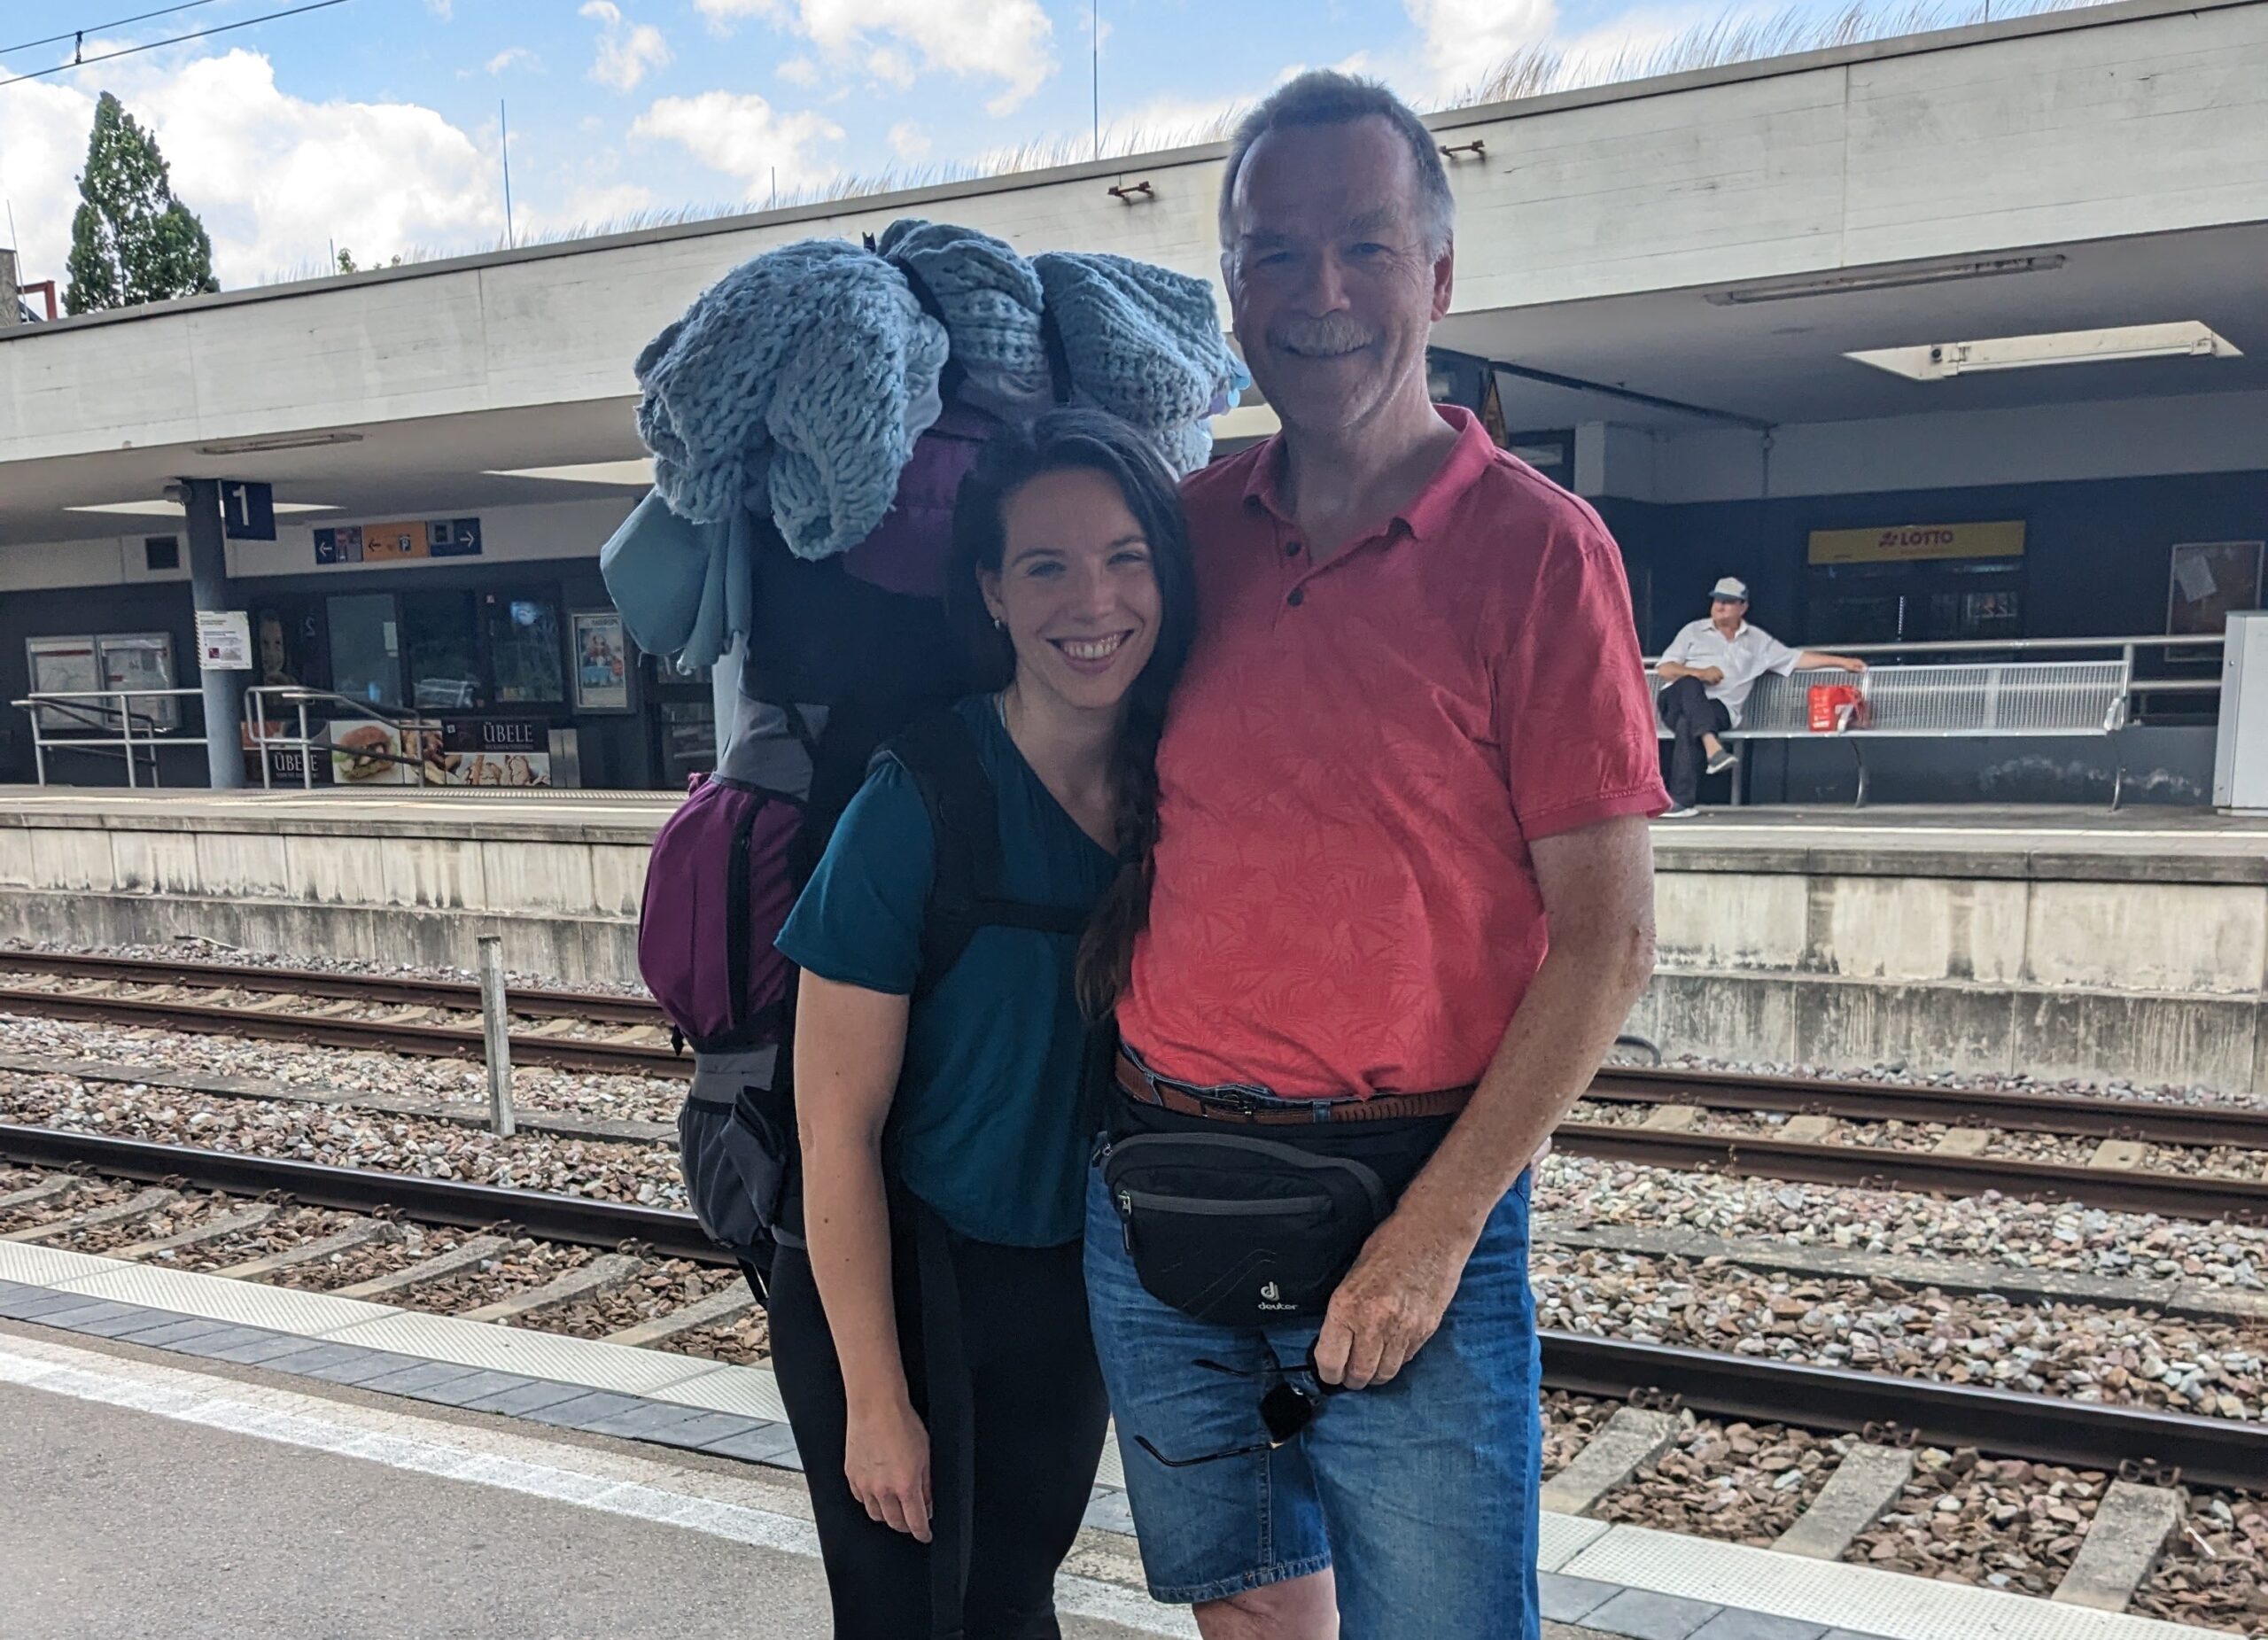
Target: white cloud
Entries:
(1010, 41)
(1630, 40)
(800, 71)
(745, 138)
(276, 178)
(445, 10)
(625, 52)
(44, 126)
(1466, 39)
(511, 57)
(909, 142)
(1167, 119)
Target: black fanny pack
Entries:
(1244, 1227)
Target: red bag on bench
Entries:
(1836, 707)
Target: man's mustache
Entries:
(1334, 333)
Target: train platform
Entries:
(214, 1454)
(2052, 940)
(2179, 836)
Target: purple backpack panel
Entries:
(718, 889)
(906, 552)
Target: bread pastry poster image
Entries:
(488, 751)
(367, 753)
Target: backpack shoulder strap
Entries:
(939, 751)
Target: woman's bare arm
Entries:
(850, 1047)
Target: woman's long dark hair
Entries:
(1090, 441)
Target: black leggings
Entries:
(1039, 1415)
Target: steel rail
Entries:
(368, 1190)
(2215, 1452)
(2202, 1197)
(534, 1002)
(1868, 1102)
(2146, 1120)
(2185, 1196)
(441, 1041)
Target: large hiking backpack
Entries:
(848, 659)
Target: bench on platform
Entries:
(2013, 700)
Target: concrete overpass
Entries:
(2126, 146)
(1671, 273)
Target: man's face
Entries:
(1725, 614)
(1333, 285)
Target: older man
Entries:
(1708, 673)
(1413, 737)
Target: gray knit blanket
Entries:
(797, 383)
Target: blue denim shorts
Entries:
(1421, 1492)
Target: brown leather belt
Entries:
(1224, 1105)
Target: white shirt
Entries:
(1744, 658)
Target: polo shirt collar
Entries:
(1426, 513)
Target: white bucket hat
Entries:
(1731, 586)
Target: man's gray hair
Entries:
(1325, 97)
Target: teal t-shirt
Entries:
(987, 1110)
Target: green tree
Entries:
(132, 241)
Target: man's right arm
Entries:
(1673, 664)
(1677, 660)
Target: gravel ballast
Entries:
(341, 1136)
(343, 1072)
(2080, 1352)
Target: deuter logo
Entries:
(1272, 1296)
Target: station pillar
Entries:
(209, 589)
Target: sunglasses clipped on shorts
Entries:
(1286, 1410)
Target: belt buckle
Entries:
(1238, 1101)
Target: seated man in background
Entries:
(1706, 674)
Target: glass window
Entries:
(287, 643)
(366, 648)
(526, 649)
(443, 648)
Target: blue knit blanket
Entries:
(798, 382)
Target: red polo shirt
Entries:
(1355, 767)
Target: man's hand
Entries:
(1393, 1299)
(1708, 674)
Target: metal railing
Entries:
(72, 704)
(299, 697)
(2128, 649)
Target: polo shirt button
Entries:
(1291, 549)
(1299, 596)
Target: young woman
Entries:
(931, 1340)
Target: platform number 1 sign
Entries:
(247, 510)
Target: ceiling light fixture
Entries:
(278, 441)
(1942, 361)
(1886, 279)
(638, 471)
(172, 509)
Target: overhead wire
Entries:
(202, 34)
(93, 29)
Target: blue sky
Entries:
(373, 124)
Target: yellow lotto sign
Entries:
(2001, 540)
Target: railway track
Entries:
(156, 993)
(2209, 1450)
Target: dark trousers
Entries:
(1689, 713)
(1033, 1435)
